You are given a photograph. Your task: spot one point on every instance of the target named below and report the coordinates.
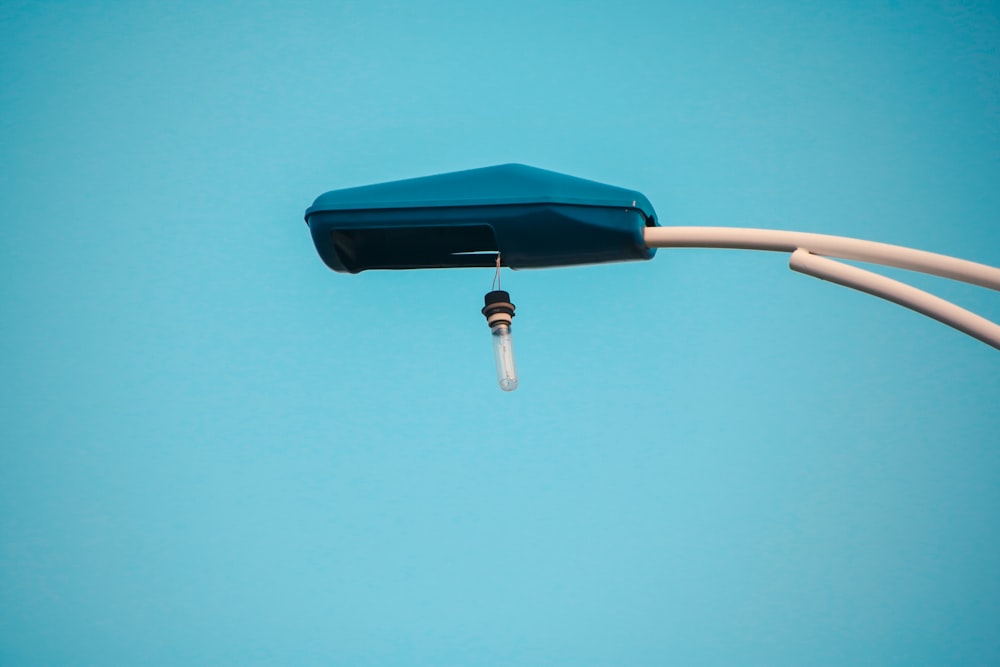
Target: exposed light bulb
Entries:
(499, 312)
(503, 352)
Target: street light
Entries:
(532, 217)
(510, 215)
(522, 217)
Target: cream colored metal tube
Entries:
(829, 246)
(900, 293)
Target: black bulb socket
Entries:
(498, 308)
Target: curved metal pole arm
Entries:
(828, 246)
(806, 248)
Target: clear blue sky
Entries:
(214, 450)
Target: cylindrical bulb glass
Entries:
(503, 352)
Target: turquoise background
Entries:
(214, 450)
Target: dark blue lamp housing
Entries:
(534, 218)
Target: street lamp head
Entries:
(533, 218)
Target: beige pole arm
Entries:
(807, 248)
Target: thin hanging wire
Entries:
(496, 276)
